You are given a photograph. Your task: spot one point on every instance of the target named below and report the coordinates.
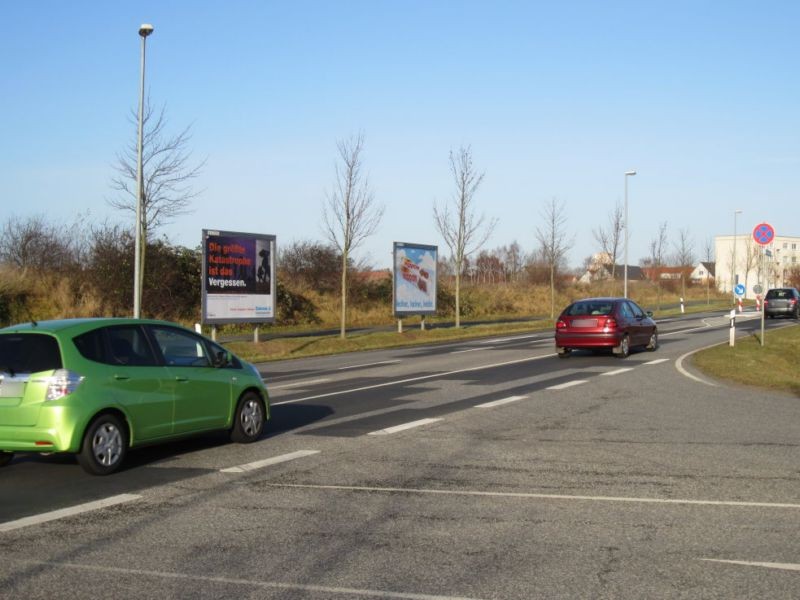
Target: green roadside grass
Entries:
(775, 366)
(283, 348)
(321, 345)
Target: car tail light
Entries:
(62, 383)
(792, 302)
(611, 323)
(561, 324)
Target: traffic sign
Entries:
(763, 234)
(758, 288)
(739, 289)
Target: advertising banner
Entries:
(238, 277)
(414, 279)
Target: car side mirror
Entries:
(649, 313)
(222, 359)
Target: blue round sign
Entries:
(739, 289)
(763, 234)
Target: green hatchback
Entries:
(96, 387)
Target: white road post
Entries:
(732, 317)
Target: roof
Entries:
(58, 325)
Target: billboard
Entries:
(238, 277)
(414, 279)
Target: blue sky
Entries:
(555, 99)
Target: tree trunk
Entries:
(458, 298)
(343, 327)
(552, 292)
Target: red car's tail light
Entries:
(561, 324)
(611, 323)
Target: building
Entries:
(779, 258)
(703, 272)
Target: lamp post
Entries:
(627, 174)
(144, 30)
(733, 265)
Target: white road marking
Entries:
(534, 496)
(684, 372)
(403, 427)
(300, 383)
(500, 402)
(269, 461)
(509, 339)
(412, 379)
(67, 512)
(248, 584)
(657, 361)
(569, 384)
(471, 350)
(746, 563)
(617, 372)
(381, 362)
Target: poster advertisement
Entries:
(414, 279)
(238, 277)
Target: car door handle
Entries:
(182, 379)
(121, 377)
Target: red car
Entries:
(618, 324)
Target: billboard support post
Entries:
(422, 323)
(400, 325)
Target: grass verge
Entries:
(282, 348)
(775, 366)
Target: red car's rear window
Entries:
(590, 307)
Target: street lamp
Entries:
(627, 174)
(144, 30)
(733, 266)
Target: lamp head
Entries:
(627, 173)
(145, 29)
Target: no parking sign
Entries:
(763, 234)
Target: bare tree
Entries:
(553, 243)
(462, 230)
(167, 174)
(611, 237)
(350, 212)
(684, 256)
(658, 247)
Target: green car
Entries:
(96, 387)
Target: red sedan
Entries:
(618, 324)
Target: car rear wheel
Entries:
(5, 458)
(248, 422)
(624, 348)
(653, 343)
(104, 445)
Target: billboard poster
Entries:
(414, 279)
(238, 277)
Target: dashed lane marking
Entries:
(372, 364)
(569, 384)
(299, 383)
(275, 460)
(657, 361)
(403, 427)
(747, 563)
(471, 350)
(509, 339)
(617, 371)
(500, 402)
(67, 512)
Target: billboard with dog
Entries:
(414, 279)
(238, 277)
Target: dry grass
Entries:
(775, 366)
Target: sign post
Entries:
(763, 234)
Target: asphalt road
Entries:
(478, 469)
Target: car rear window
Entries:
(29, 353)
(779, 294)
(597, 307)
